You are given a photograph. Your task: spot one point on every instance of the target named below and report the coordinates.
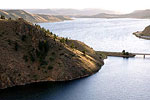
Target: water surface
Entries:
(119, 79)
(104, 34)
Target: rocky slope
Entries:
(34, 18)
(30, 54)
(145, 34)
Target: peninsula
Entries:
(32, 54)
(145, 34)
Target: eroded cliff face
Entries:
(29, 53)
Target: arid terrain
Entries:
(30, 54)
(33, 18)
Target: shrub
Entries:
(32, 57)
(53, 53)
(38, 68)
(28, 66)
(21, 19)
(46, 46)
(37, 53)
(25, 58)
(72, 46)
(43, 46)
(40, 46)
(43, 62)
(35, 76)
(127, 53)
(62, 40)
(9, 42)
(84, 52)
(51, 58)
(43, 50)
(61, 54)
(66, 39)
(50, 67)
(19, 74)
(48, 32)
(51, 33)
(43, 29)
(23, 38)
(17, 33)
(55, 37)
(37, 26)
(2, 17)
(123, 52)
(16, 46)
(45, 71)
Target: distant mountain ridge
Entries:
(55, 15)
(71, 12)
(34, 18)
(143, 14)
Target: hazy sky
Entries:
(124, 6)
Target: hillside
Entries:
(70, 12)
(139, 14)
(34, 18)
(102, 15)
(143, 14)
(31, 54)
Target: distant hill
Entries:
(136, 14)
(34, 18)
(102, 15)
(71, 12)
(139, 14)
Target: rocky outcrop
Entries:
(31, 54)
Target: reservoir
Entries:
(119, 78)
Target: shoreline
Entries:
(56, 21)
(140, 35)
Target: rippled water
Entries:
(104, 34)
(119, 79)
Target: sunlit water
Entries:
(119, 79)
(104, 34)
